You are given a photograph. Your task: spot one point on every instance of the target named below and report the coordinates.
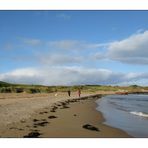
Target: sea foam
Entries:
(141, 114)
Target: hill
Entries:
(4, 84)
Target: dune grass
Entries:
(20, 88)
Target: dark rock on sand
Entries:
(72, 101)
(55, 107)
(52, 117)
(34, 130)
(34, 134)
(41, 123)
(12, 128)
(90, 127)
(43, 120)
(63, 103)
(35, 120)
(67, 102)
(27, 126)
(74, 115)
(20, 129)
(52, 110)
(43, 112)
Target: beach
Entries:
(50, 115)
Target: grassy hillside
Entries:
(4, 84)
(20, 88)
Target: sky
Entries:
(74, 47)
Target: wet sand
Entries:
(60, 117)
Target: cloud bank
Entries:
(70, 76)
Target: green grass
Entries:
(19, 88)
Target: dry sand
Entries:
(47, 115)
(15, 107)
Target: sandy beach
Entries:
(47, 115)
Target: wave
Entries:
(141, 114)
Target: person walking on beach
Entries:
(69, 92)
(79, 92)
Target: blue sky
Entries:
(74, 47)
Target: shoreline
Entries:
(128, 113)
(67, 118)
(103, 120)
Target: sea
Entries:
(126, 112)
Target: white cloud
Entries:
(70, 76)
(132, 50)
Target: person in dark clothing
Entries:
(69, 92)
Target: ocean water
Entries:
(126, 112)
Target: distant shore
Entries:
(55, 116)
